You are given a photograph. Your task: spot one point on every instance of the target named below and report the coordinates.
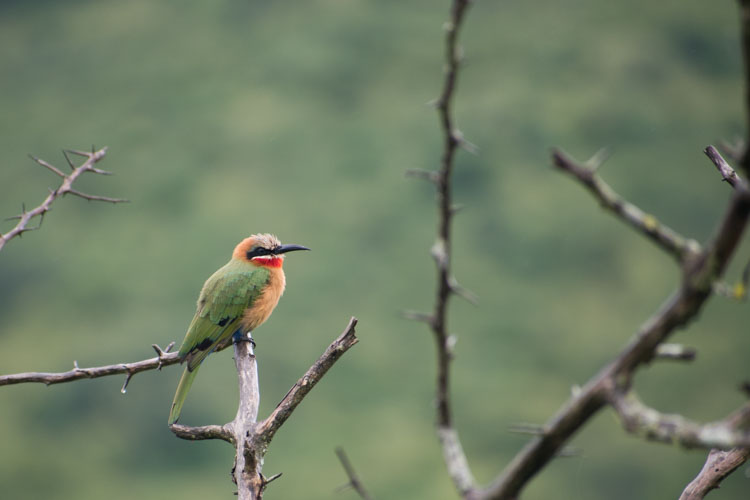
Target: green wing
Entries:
(225, 296)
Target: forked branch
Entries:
(251, 438)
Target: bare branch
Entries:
(719, 465)
(347, 339)
(726, 171)
(47, 166)
(130, 369)
(25, 218)
(203, 432)
(639, 419)
(699, 273)
(251, 438)
(93, 197)
(447, 285)
(666, 238)
(354, 482)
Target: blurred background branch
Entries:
(453, 454)
(66, 187)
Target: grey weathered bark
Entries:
(251, 438)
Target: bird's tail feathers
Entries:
(182, 389)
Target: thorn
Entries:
(67, 158)
(569, 452)
(418, 316)
(93, 197)
(526, 428)
(418, 173)
(676, 352)
(273, 478)
(598, 159)
(464, 143)
(125, 385)
(78, 153)
(100, 171)
(48, 166)
(462, 292)
(75, 365)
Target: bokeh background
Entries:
(230, 117)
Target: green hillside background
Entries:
(230, 117)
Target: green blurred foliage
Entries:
(229, 117)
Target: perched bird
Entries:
(237, 298)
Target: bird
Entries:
(235, 300)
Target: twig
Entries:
(354, 482)
(25, 218)
(718, 466)
(163, 358)
(251, 438)
(726, 171)
(638, 418)
(669, 240)
(268, 427)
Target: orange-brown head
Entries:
(263, 250)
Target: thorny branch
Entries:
(66, 187)
(251, 438)
(453, 454)
(163, 358)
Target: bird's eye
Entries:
(257, 252)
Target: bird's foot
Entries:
(243, 337)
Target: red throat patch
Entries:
(268, 261)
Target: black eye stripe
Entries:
(258, 251)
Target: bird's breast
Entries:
(262, 307)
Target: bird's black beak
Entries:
(288, 248)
